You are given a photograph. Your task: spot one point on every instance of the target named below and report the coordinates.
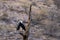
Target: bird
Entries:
(20, 24)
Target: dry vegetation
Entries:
(45, 19)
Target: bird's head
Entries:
(21, 21)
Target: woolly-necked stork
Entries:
(20, 24)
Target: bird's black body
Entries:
(21, 25)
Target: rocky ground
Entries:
(45, 23)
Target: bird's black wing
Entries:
(23, 26)
(18, 26)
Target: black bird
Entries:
(20, 24)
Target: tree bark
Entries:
(25, 37)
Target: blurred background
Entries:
(45, 19)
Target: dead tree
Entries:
(25, 36)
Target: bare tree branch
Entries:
(25, 37)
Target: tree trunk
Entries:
(25, 37)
